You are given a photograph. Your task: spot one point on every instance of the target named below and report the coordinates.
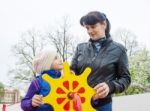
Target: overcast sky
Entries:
(18, 16)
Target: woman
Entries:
(107, 59)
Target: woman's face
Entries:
(96, 31)
(57, 63)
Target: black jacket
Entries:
(110, 65)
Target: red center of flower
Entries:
(70, 95)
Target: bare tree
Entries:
(32, 42)
(62, 39)
(138, 61)
(24, 51)
(128, 39)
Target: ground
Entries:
(139, 102)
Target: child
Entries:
(47, 61)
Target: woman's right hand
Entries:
(102, 90)
(37, 100)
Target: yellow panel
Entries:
(63, 87)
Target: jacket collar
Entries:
(103, 41)
(52, 73)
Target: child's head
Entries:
(45, 60)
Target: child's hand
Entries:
(72, 72)
(37, 100)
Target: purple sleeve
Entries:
(26, 102)
(94, 102)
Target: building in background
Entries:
(11, 96)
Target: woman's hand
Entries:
(37, 100)
(102, 90)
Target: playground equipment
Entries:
(4, 107)
(70, 92)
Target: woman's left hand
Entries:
(102, 90)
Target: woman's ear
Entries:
(104, 24)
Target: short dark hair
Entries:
(94, 17)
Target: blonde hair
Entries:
(43, 60)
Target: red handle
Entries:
(77, 101)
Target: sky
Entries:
(18, 16)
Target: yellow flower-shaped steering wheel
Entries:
(63, 90)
